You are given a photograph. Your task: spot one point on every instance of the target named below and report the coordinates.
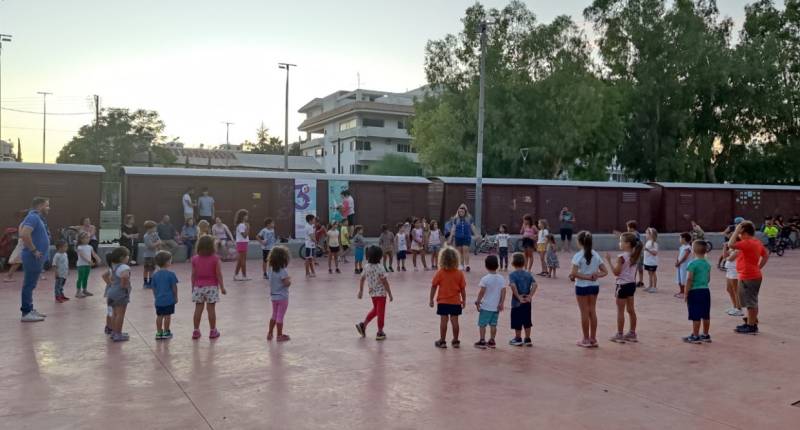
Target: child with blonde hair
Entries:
(449, 289)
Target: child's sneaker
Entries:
(107, 330)
(490, 344)
(338, 271)
(391, 269)
(692, 339)
(380, 336)
(618, 338)
(705, 338)
(456, 343)
(481, 344)
(630, 337)
(59, 299)
(517, 341)
(528, 342)
(79, 294)
(65, 298)
(87, 294)
(360, 328)
(283, 338)
(213, 334)
(159, 335)
(196, 334)
(120, 337)
(746, 329)
(440, 344)
(585, 343)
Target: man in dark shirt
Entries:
(168, 234)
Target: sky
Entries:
(200, 63)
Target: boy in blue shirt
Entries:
(523, 287)
(165, 292)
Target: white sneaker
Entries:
(244, 278)
(236, 278)
(461, 267)
(37, 313)
(737, 313)
(31, 317)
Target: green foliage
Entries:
(394, 165)
(266, 144)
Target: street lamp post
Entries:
(483, 26)
(44, 122)
(3, 38)
(286, 66)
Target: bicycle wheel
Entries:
(779, 251)
(518, 246)
(302, 252)
(709, 246)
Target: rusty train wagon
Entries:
(600, 207)
(74, 191)
(714, 206)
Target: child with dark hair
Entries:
(523, 287)
(310, 242)
(152, 244)
(279, 283)
(375, 277)
(359, 246)
(490, 301)
(502, 246)
(587, 269)
(118, 293)
(61, 267)
(624, 268)
(682, 263)
(267, 239)
(698, 296)
(165, 293)
(752, 258)
(401, 245)
(551, 257)
(386, 242)
(87, 258)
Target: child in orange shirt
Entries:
(451, 297)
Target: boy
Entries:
(451, 286)
(267, 239)
(523, 287)
(61, 267)
(310, 243)
(698, 296)
(771, 231)
(152, 244)
(752, 258)
(684, 252)
(165, 291)
(490, 301)
(633, 227)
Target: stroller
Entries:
(8, 241)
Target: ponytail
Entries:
(585, 240)
(636, 245)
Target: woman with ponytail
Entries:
(587, 269)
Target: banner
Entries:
(335, 189)
(305, 202)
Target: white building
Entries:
(7, 151)
(348, 130)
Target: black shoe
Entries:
(528, 342)
(361, 329)
(481, 344)
(746, 329)
(338, 271)
(468, 269)
(456, 343)
(440, 344)
(380, 336)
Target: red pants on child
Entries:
(379, 310)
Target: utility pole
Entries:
(3, 38)
(482, 27)
(227, 135)
(286, 66)
(44, 122)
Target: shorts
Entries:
(205, 294)
(625, 290)
(731, 273)
(165, 310)
(521, 316)
(345, 247)
(445, 309)
(528, 243)
(591, 290)
(265, 254)
(541, 247)
(241, 247)
(566, 234)
(650, 268)
(699, 304)
(488, 318)
(401, 255)
(149, 264)
(333, 249)
(416, 247)
(463, 241)
(748, 292)
(359, 254)
(309, 253)
(433, 249)
(279, 310)
(681, 276)
(16, 254)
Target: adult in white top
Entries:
(587, 269)
(188, 203)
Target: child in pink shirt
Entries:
(207, 283)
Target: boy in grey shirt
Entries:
(152, 244)
(61, 267)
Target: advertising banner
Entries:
(335, 189)
(305, 202)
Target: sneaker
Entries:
(166, 334)
(630, 337)
(80, 295)
(705, 338)
(490, 344)
(31, 317)
(692, 339)
(107, 330)
(330, 271)
(391, 269)
(245, 278)
(528, 342)
(517, 341)
(456, 343)
(236, 278)
(196, 334)
(159, 335)
(652, 290)
(737, 313)
(360, 328)
(37, 313)
(87, 294)
(59, 299)
(380, 336)
(618, 338)
(120, 337)
(594, 343)
(468, 269)
(283, 338)
(338, 271)
(213, 334)
(585, 343)
(678, 296)
(640, 285)
(440, 344)
(747, 329)
(730, 311)
(404, 269)
(481, 344)
(65, 298)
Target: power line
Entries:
(48, 113)
(39, 128)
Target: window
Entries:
(404, 147)
(356, 169)
(401, 124)
(360, 145)
(333, 170)
(319, 152)
(371, 122)
(347, 125)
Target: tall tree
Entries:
(266, 144)
(394, 165)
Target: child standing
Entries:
(61, 266)
(698, 295)
(587, 269)
(189, 236)
(523, 287)
(267, 239)
(279, 282)
(165, 294)
(732, 280)
(633, 227)
(418, 245)
(541, 245)
(359, 245)
(502, 246)
(451, 286)
(684, 252)
(379, 289)
(119, 291)
(86, 260)
(344, 239)
(333, 246)
(207, 283)
(434, 243)
(386, 242)
(752, 258)
(402, 246)
(152, 243)
(490, 301)
(624, 268)
(242, 242)
(651, 259)
(551, 256)
(310, 243)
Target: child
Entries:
(633, 227)
(490, 301)
(529, 233)
(107, 278)
(119, 291)
(344, 239)
(320, 237)
(86, 260)
(165, 293)
(203, 229)
(434, 243)
(771, 231)
(152, 243)
(359, 245)
(418, 245)
(267, 239)
(279, 282)
(375, 277)
(587, 268)
(523, 287)
(551, 257)
(732, 280)
(61, 266)
(207, 283)
(752, 258)
(189, 236)
(502, 246)
(452, 295)
(541, 245)
(651, 259)
(333, 246)
(242, 242)
(386, 242)
(698, 296)
(682, 262)
(402, 246)
(624, 268)
(310, 245)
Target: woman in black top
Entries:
(130, 237)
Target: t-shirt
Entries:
(523, 280)
(277, 290)
(543, 233)
(650, 259)
(344, 236)
(418, 236)
(84, 255)
(494, 284)
(310, 236)
(162, 282)
(150, 249)
(189, 232)
(502, 240)
(241, 233)
(750, 252)
(333, 237)
(628, 273)
(386, 241)
(587, 269)
(375, 274)
(204, 269)
(435, 238)
(268, 236)
(61, 263)
(39, 235)
(771, 231)
(166, 231)
(188, 209)
(451, 283)
(701, 273)
(348, 206)
(358, 241)
(401, 242)
(567, 218)
(205, 206)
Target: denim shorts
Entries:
(591, 290)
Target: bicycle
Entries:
(485, 245)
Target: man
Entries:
(567, 219)
(205, 207)
(348, 207)
(752, 258)
(167, 233)
(36, 246)
(188, 204)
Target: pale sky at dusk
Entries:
(199, 63)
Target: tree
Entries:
(394, 165)
(266, 144)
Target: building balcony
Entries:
(381, 132)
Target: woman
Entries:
(87, 227)
(697, 232)
(223, 235)
(130, 237)
(461, 230)
(567, 219)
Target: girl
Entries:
(502, 246)
(402, 246)
(552, 257)
(624, 268)
(223, 235)
(344, 239)
(418, 245)
(266, 237)
(541, 245)
(333, 246)
(434, 243)
(119, 291)
(207, 283)
(529, 233)
(86, 260)
(684, 252)
(379, 289)
(386, 242)
(462, 229)
(732, 280)
(242, 242)
(587, 268)
(359, 244)
(279, 282)
(189, 236)
(451, 286)
(651, 259)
